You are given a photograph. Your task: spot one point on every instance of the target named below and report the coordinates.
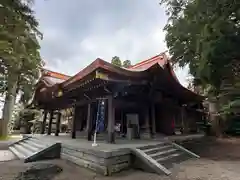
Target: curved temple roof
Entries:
(161, 59)
(51, 80)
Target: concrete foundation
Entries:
(105, 163)
(105, 158)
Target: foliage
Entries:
(231, 95)
(116, 61)
(126, 63)
(5, 138)
(27, 117)
(15, 117)
(19, 48)
(3, 83)
(205, 35)
(19, 51)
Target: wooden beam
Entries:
(94, 86)
(67, 101)
(128, 103)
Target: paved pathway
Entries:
(6, 155)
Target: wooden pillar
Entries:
(81, 119)
(111, 120)
(50, 123)
(74, 123)
(58, 124)
(153, 116)
(89, 122)
(44, 121)
(122, 121)
(184, 120)
(146, 131)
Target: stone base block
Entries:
(100, 162)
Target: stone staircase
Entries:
(31, 149)
(161, 157)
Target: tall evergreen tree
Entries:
(205, 35)
(19, 52)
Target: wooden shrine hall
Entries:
(146, 97)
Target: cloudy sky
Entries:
(77, 32)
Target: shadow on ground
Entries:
(40, 172)
(215, 149)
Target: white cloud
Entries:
(77, 33)
(183, 75)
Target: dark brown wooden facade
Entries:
(149, 90)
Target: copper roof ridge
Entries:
(54, 72)
(147, 61)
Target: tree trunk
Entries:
(214, 117)
(9, 103)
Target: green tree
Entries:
(205, 35)
(27, 118)
(19, 53)
(116, 61)
(126, 63)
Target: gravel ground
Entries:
(220, 160)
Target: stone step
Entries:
(176, 160)
(40, 141)
(146, 162)
(33, 141)
(17, 153)
(151, 146)
(163, 153)
(28, 146)
(157, 149)
(160, 160)
(33, 149)
(36, 144)
(22, 150)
